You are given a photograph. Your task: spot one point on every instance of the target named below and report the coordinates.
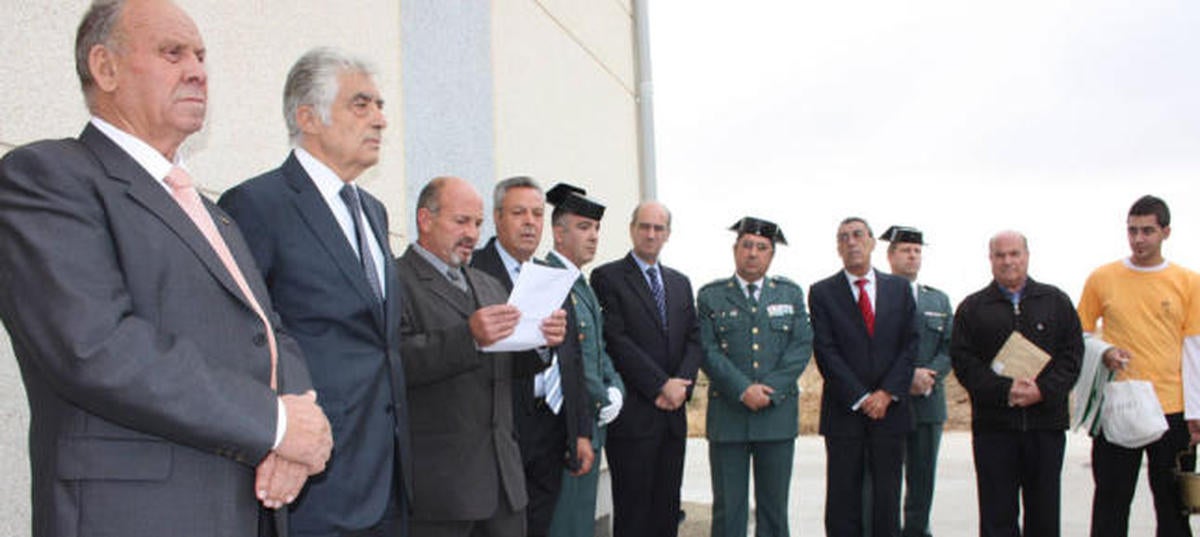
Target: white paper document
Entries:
(538, 291)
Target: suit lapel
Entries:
(319, 218)
(438, 285)
(147, 192)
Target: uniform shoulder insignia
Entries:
(782, 280)
(716, 284)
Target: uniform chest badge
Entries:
(780, 310)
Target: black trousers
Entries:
(646, 475)
(1015, 470)
(847, 460)
(1115, 470)
(543, 453)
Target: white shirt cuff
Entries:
(280, 422)
(859, 402)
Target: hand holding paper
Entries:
(537, 294)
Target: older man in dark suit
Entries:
(145, 336)
(651, 333)
(469, 479)
(321, 244)
(864, 342)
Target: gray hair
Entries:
(502, 188)
(313, 81)
(96, 28)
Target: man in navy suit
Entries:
(864, 342)
(550, 439)
(651, 333)
(321, 244)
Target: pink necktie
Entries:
(864, 305)
(189, 200)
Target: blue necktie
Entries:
(660, 298)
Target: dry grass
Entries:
(958, 406)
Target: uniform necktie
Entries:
(864, 305)
(751, 296)
(350, 197)
(188, 198)
(660, 298)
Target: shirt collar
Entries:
(642, 265)
(566, 262)
(434, 260)
(153, 162)
(510, 262)
(1129, 264)
(870, 277)
(743, 283)
(327, 182)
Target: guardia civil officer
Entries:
(931, 365)
(757, 340)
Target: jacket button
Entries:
(260, 339)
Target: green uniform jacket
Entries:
(598, 371)
(769, 344)
(934, 318)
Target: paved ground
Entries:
(954, 511)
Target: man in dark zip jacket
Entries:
(1017, 424)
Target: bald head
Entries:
(649, 228)
(449, 215)
(141, 65)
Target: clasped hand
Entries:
(303, 452)
(1023, 393)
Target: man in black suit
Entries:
(550, 439)
(321, 244)
(157, 378)
(865, 339)
(651, 333)
(469, 480)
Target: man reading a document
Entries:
(1017, 424)
(468, 479)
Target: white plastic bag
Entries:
(1131, 415)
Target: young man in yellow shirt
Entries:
(1150, 311)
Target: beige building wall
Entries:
(563, 100)
(566, 107)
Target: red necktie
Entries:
(189, 200)
(864, 305)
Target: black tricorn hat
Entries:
(760, 227)
(903, 234)
(573, 199)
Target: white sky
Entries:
(961, 118)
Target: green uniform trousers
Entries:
(729, 463)
(575, 513)
(920, 467)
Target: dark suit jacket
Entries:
(460, 398)
(644, 354)
(352, 345)
(855, 364)
(147, 371)
(575, 411)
